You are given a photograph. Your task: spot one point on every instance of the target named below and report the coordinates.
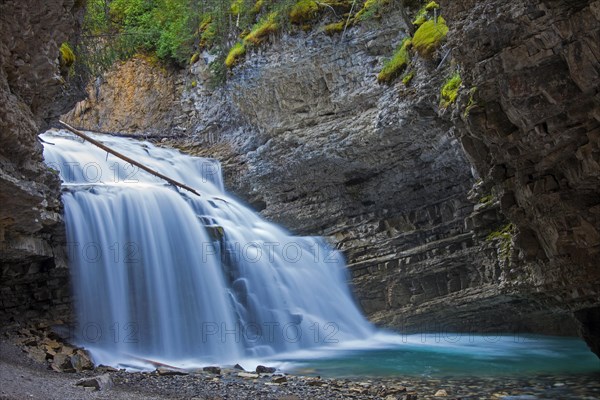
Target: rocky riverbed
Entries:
(53, 369)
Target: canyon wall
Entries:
(535, 136)
(412, 193)
(33, 275)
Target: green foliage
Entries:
(163, 27)
(67, 56)
(393, 67)
(449, 91)
(96, 20)
(175, 30)
(235, 53)
(429, 36)
(237, 6)
(258, 6)
(303, 11)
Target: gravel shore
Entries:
(22, 377)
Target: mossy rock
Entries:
(408, 77)
(429, 36)
(235, 53)
(370, 9)
(335, 27)
(432, 5)
(425, 13)
(393, 67)
(338, 5)
(262, 29)
(67, 56)
(449, 91)
(303, 11)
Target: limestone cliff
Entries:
(418, 197)
(32, 93)
(535, 138)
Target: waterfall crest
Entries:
(162, 274)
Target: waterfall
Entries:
(162, 274)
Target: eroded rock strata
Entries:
(535, 139)
(33, 92)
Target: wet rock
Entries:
(212, 370)
(101, 382)
(105, 368)
(279, 379)
(166, 371)
(392, 390)
(81, 361)
(261, 369)
(62, 363)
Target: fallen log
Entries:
(127, 159)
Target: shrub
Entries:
(395, 65)
(429, 36)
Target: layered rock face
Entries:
(136, 96)
(535, 137)
(32, 93)
(309, 138)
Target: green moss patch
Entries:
(303, 11)
(393, 67)
(67, 56)
(370, 9)
(432, 5)
(262, 29)
(408, 77)
(430, 36)
(333, 28)
(235, 53)
(449, 91)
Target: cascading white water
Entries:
(163, 274)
